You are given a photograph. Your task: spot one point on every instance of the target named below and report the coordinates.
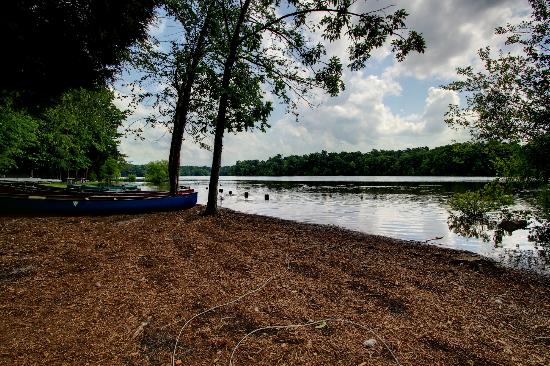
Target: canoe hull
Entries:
(86, 206)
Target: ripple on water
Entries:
(412, 211)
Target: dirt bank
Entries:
(117, 290)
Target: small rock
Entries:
(498, 301)
(362, 364)
(370, 343)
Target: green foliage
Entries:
(541, 234)
(81, 130)
(544, 200)
(131, 169)
(131, 178)
(537, 158)
(465, 159)
(475, 204)
(497, 193)
(194, 170)
(509, 100)
(221, 60)
(185, 170)
(156, 172)
(18, 133)
(56, 46)
(110, 170)
(78, 133)
(471, 203)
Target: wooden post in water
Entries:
(245, 194)
(267, 197)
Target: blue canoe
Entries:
(102, 204)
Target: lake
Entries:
(410, 208)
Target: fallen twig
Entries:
(294, 326)
(214, 308)
(139, 330)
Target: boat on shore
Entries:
(36, 200)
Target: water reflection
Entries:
(410, 210)
(471, 228)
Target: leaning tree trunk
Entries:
(180, 120)
(212, 205)
(182, 106)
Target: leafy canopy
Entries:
(509, 100)
(55, 46)
(79, 132)
(110, 170)
(18, 133)
(81, 129)
(278, 50)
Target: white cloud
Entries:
(357, 120)
(361, 119)
(454, 31)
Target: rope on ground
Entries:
(322, 321)
(212, 309)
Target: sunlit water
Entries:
(410, 208)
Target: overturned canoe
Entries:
(101, 203)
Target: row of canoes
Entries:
(35, 199)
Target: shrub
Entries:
(156, 172)
(544, 200)
(110, 170)
(475, 204)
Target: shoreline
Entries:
(117, 289)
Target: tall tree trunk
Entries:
(180, 120)
(212, 205)
(182, 105)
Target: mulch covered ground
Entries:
(119, 290)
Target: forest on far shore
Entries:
(459, 159)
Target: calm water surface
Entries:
(410, 208)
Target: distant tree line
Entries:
(460, 159)
(139, 170)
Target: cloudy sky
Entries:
(387, 105)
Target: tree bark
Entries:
(180, 120)
(212, 205)
(182, 107)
